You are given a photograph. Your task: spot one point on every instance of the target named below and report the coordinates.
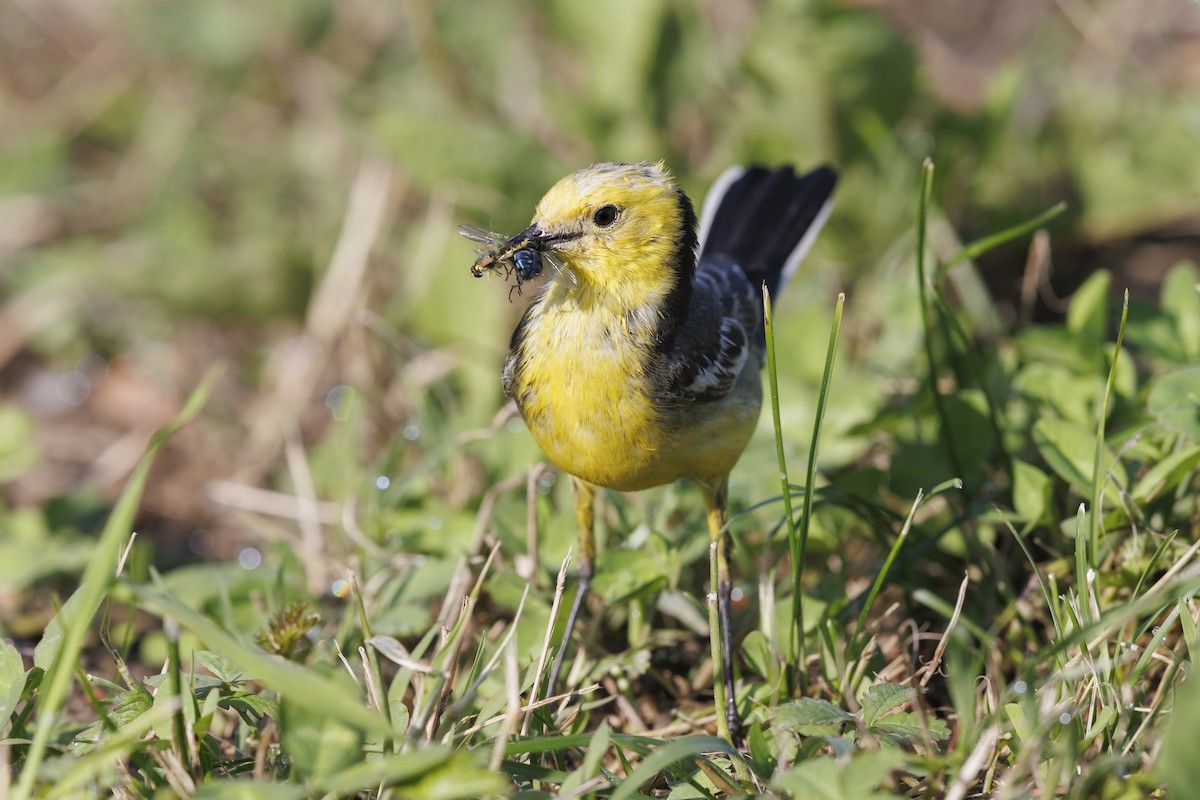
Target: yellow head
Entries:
(627, 232)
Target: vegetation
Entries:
(267, 530)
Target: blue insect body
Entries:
(528, 264)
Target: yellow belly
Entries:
(587, 404)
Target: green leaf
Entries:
(220, 666)
(1069, 449)
(18, 452)
(1087, 316)
(807, 712)
(1059, 387)
(1178, 761)
(590, 768)
(1181, 301)
(968, 423)
(391, 770)
(1032, 491)
(907, 725)
(1023, 728)
(624, 574)
(839, 779)
(1165, 475)
(1175, 400)
(12, 681)
(757, 653)
(459, 779)
(248, 790)
(667, 755)
(882, 698)
(318, 743)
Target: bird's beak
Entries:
(534, 238)
(529, 239)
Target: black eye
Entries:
(606, 215)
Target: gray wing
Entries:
(720, 336)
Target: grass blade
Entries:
(994, 240)
(97, 578)
(1098, 459)
(923, 200)
(798, 537)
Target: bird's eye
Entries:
(606, 215)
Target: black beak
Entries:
(529, 239)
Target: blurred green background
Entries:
(276, 185)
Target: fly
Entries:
(520, 258)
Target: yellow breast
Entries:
(582, 391)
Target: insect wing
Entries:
(485, 257)
(477, 234)
(562, 269)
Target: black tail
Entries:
(766, 220)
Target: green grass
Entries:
(1067, 690)
(348, 575)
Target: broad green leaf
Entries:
(458, 779)
(12, 668)
(1181, 301)
(807, 713)
(757, 653)
(622, 574)
(1072, 394)
(967, 420)
(1087, 316)
(1175, 400)
(1165, 475)
(1069, 449)
(857, 777)
(220, 666)
(882, 698)
(12, 681)
(907, 724)
(1032, 491)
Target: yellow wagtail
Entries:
(638, 362)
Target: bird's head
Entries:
(626, 231)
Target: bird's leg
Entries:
(721, 592)
(585, 504)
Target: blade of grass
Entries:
(1098, 459)
(798, 538)
(97, 578)
(860, 637)
(994, 240)
(923, 200)
(667, 755)
(795, 679)
(1082, 558)
(1160, 633)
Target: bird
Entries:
(638, 362)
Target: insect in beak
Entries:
(523, 255)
